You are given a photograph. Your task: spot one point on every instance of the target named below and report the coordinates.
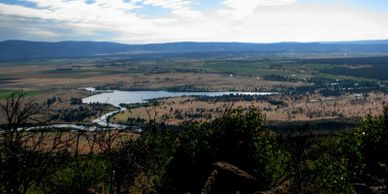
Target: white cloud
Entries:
(178, 7)
(249, 21)
(239, 9)
(168, 4)
(252, 4)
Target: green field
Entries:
(5, 93)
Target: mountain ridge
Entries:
(11, 50)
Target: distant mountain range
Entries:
(14, 50)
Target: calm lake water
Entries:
(117, 97)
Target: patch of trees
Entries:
(232, 154)
(75, 101)
(281, 78)
(53, 100)
(234, 98)
(73, 115)
(376, 71)
(346, 61)
(78, 113)
(326, 126)
(185, 88)
(337, 87)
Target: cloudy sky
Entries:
(146, 21)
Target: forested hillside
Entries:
(18, 50)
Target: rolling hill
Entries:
(16, 50)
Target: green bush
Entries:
(367, 150)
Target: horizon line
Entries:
(189, 41)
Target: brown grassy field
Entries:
(66, 76)
(312, 107)
(87, 141)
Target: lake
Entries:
(117, 97)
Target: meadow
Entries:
(240, 72)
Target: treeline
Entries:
(74, 110)
(338, 87)
(347, 61)
(234, 153)
(376, 69)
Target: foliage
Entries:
(367, 150)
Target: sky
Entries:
(156, 21)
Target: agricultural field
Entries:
(238, 73)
